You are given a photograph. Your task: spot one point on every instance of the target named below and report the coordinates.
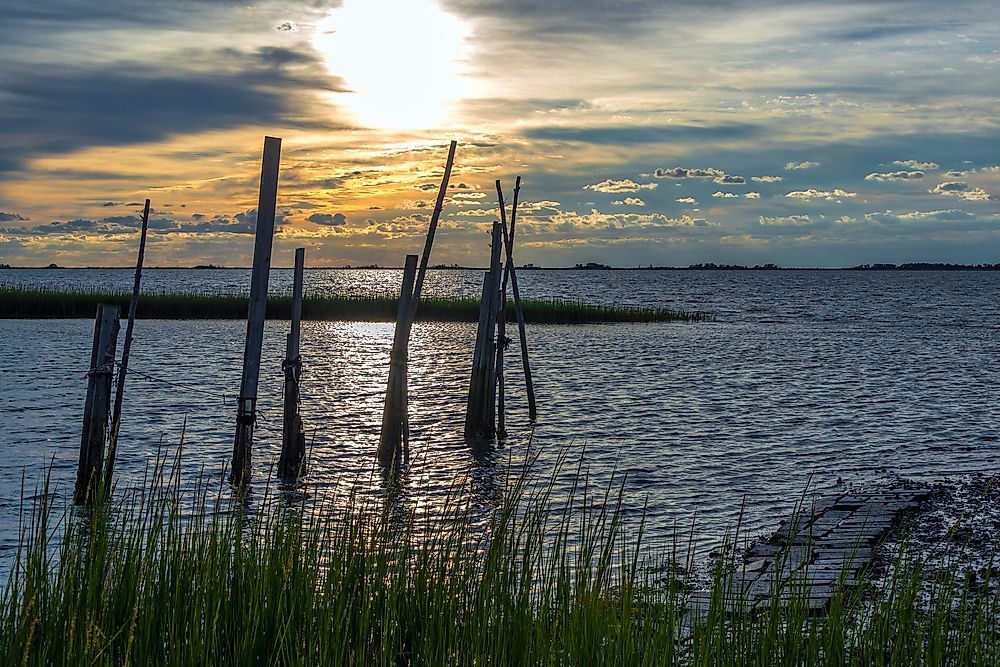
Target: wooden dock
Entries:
(821, 547)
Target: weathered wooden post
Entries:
(394, 414)
(116, 415)
(292, 462)
(246, 411)
(480, 414)
(98, 404)
(518, 309)
(395, 418)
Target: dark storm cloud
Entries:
(11, 217)
(645, 134)
(328, 219)
(50, 110)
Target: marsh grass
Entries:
(21, 303)
(551, 578)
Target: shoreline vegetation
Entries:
(589, 266)
(27, 303)
(167, 576)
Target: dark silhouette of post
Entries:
(501, 345)
(246, 412)
(116, 414)
(98, 403)
(394, 414)
(480, 413)
(518, 309)
(395, 418)
(431, 229)
(292, 462)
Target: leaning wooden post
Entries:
(474, 404)
(96, 408)
(394, 413)
(518, 309)
(246, 411)
(431, 229)
(292, 462)
(116, 415)
(480, 412)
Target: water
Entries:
(814, 377)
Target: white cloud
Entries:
(728, 179)
(961, 190)
(828, 195)
(530, 206)
(685, 172)
(618, 187)
(785, 220)
(894, 176)
(629, 201)
(752, 195)
(913, 164)
(687, 200)
(767, 179)
(725, 195)
(791, 166)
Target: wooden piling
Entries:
(431, 229)
(246, 414)
(501, 346)
(98, 404)
(480, 415)
(292, 462)
(394, 415)
(518, 309)
(116, 415)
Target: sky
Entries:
(659, 132)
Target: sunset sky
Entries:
(645, 132)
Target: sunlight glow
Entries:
(401, 60)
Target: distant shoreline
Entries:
(911, 266)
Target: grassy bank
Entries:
(18, 303)
(531, 584)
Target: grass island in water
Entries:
(31, 303)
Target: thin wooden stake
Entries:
(394, 419)
(98, 404)
(518, 309)
(116, 415)
(246, 414)
(292, 462)
(431, 229)
(502, 327)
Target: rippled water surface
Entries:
(835, 377)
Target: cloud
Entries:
(727, 179)
(752, 195)
(685, 172)
(629, 201)
(618, 187)
(644, 134)
(725, 195)
(785, 220)
(462, 197)
(474, 212)
(12, 217)
(328, 219)
(895, 176)
(544, 205)
(828, 195)
(891, 217)
(767, 179)
(792, 166)
(913, 164)
(687, 200)
(961, 190)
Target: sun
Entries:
(401, 60)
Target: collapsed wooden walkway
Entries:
(827, 545)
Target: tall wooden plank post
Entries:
(98, 404)
(502, 341)
(116, 415)
(292, 462)
(394, 413)
(511, 272)
(246, 411)
(394, 439)
(480, 413)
